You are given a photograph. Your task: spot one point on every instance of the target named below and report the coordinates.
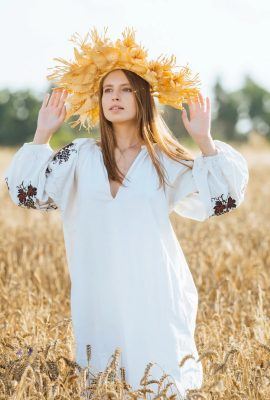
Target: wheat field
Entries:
(228, 256)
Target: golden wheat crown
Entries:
(95, 58)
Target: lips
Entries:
(116, 108)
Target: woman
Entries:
(130, 283)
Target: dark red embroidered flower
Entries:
(231, 203)
(22, 195)
(219, 207)
(27, 198)
(223, 205)
(32, 191)
(26, 195)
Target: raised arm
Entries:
(51, 116)
(38, 177)
(217, 180)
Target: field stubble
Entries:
(229, 259)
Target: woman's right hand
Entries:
(51, 115)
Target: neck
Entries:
(126, 135)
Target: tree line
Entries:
(235, 115)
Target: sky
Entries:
(217, 38)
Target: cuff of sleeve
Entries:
(37, 151)
(221, 147)
(202, 161)
(30, 146)
(212, 155)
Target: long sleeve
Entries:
(213, 186)
(39, 178)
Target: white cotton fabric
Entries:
(131, 286)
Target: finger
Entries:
(61, 110)
(61, 105)
(53, 94)
(56, 97)
(63, 114)
(45, 100)
(192, 108)
(185, 117)
(197, 105)
(63, 99)
(201, 99)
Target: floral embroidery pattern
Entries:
(26, 195)
(223, 205)
(27, 198)
(63, 154)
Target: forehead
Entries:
(115, 77)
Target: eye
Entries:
(126, 89)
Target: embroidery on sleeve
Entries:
(27, 198)
(223, 205)
(6, 180)
(63, 154)
(48, 171)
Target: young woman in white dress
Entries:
(131, 287)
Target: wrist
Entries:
(207, 147)
(42, 137)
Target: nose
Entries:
(115, 96)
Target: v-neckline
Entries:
(131, 167)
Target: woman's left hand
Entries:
(198, 126)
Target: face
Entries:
(118, 92)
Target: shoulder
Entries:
(174, 169)
(71, 150)
(172, 165)
(62, 160)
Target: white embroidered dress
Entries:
(131, 286)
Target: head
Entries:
(132, 94)
(117, 91)
(137, 109)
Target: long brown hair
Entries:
(149, 128)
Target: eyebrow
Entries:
(122, 84)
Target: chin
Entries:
(116, 119)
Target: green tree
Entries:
(258, 106)
(226, 113)
(18, 115)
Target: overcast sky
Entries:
(226, 38)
